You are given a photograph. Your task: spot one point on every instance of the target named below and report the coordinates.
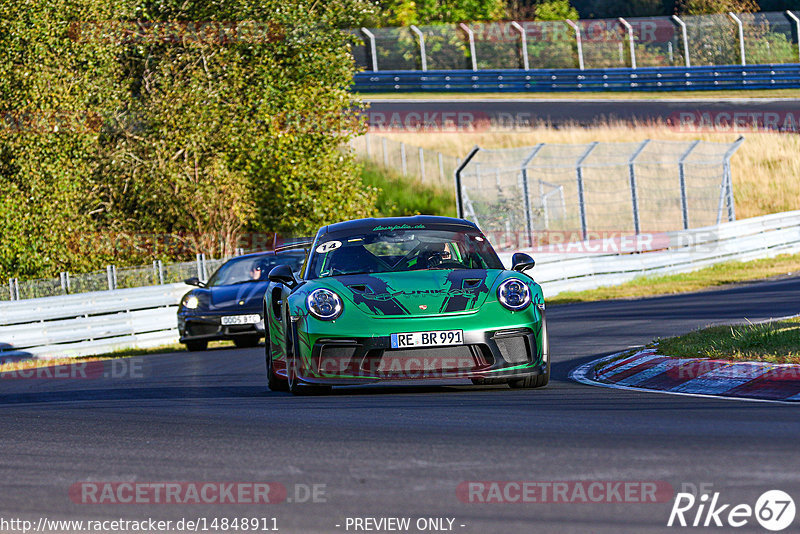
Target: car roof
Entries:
(361, 225)
(269, 253)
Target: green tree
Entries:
(556, 10)
(175, 129)
(406, 12)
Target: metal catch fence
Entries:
(111, 278)
(696, 40)
(518, 195)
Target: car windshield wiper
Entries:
(245, 282)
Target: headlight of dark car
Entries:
(514, 294)
(324, 304)
(190, 302)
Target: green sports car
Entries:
(404, 298)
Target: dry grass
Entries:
(766, 169)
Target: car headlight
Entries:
(191, 302)
(514, 294)
(324, 304)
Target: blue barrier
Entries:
(722, 77)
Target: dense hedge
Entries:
(202, 120)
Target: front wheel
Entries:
(245, 342)
(274, 383)
(197, 345)
(294, 385)
(536, 381)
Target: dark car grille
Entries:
(514, 349)
(459, 358)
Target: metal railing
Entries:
(724, 77)
(696, 40)
(90, 323)
(111, 278)
(592, 264)
(608, 187)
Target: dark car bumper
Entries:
(502, 355)
(210, 328)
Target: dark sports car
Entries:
(229, 305)
(404, 298)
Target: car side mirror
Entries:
(194, 281)
(521, 262)
(282, 274)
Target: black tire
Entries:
(274, 382)
(294, 385)
(530, 382)
(196, 345)
(246, 342)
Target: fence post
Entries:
(738, 22)
(634, 195)
(523, 44)
(526, 192)
(403, 163)
(545, 211)
(205, 267)
(471, 37)
(578, 41)
(11, 291)
(110, 277)
(728, 177)
(441, 168)
(459, 169)
(796, 27)
(581, 199)
(422, 53)
(685, 37)
(63, 279)
(385, 153)
(199, 261)
(682, 173)
(422, 163)
(631, 42)
(366, 143)
(372, 50)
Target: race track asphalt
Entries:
(517, 112)
(402, 450)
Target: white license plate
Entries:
(229, 320)
(438, 338)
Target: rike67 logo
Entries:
(774, 510)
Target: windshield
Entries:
(252, 268)
(402, 250)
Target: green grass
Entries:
(399, 196)
(710, 277)
(774, 342)
(605, 95)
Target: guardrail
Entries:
(673, 252)
(90, 323)
(727, 77)
(104, 321)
